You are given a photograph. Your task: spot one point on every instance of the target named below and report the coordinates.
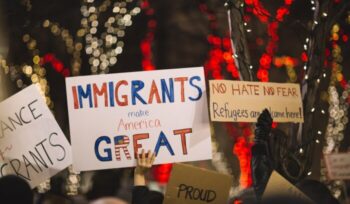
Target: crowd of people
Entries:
(15, 190)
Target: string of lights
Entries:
(103, 47)
(73, 46)
(220, 53)
(338, 106)
(289, 63)
(147, 42)
(35, 72)
(221, 56)
(264, 16)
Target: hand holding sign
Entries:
(144, 163)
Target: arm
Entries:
(144, 163)
(261, 159)
(140, 192)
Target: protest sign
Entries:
(32, 145)
(279, 186)
(243, 101)
(193, 185)
(338, 166)
(113, 117)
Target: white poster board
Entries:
(114, 116)
(243, 101)
(32, 145)
(338, 166)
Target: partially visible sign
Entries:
(338, 166)
(32, 145)
(193, 185)
(243, 101)
(279, 186)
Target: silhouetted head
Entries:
(14, 189)
(105, 183)
(317, 191)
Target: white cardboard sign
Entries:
(243, 101)
(32, 145)
(113, 117)
(338, 166)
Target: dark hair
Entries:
(317, 191)
(156, 197)
(105, 183)
(14, 189)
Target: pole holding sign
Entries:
(112, 117)
(32, 145)
(242, 101)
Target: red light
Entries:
(274, 125)
(152, 23)
(345, 38)
(161, 173)
(281, 12)
(56, 64)
(288, 2)
(242, 149)
(259, 41)
(304, 57)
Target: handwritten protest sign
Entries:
(338, 166)
(187, 186)
(32, 145)
(242, 101)
(112, 117)
(279, 186)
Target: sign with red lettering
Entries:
(32, 145)
(187, 186)
(243, 101)
(113, 117)
(338, 166)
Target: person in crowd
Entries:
(317, 191)
(15, 190)
(56, 194)
(51, 198)
(105, 185)
(268, 149)
(140, 193)
(262, 164)
(283, 199)
(272, 150)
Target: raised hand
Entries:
(263, 125)
(144, 164)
